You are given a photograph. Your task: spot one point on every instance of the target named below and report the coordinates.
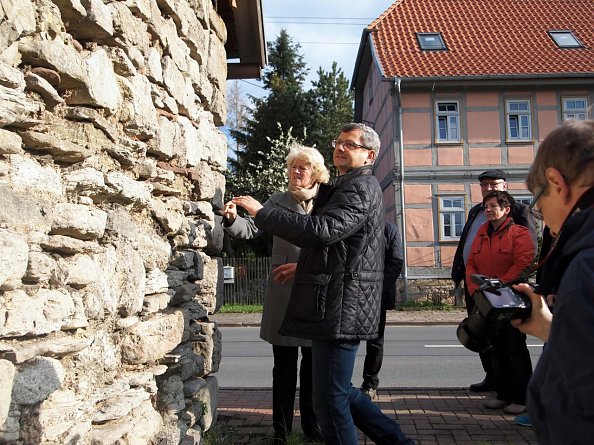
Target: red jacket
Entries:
(503, 255)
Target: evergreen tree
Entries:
(332, 107)
(286, 103)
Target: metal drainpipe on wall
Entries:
(401, 189)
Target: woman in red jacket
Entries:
(504, 250)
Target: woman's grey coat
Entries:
(277, 295)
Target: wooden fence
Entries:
(245, 283)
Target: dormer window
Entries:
(565, 39)
(431, 41)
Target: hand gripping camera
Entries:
(495, 303)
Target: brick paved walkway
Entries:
(436, 416)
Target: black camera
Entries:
(495, 303)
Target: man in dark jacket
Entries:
(561, 389)
(489, 180)
(374, 354)
(337, 288)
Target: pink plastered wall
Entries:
(520, 155)
(419, 225)
(450, 155)
(417, 157)
(447, 254)
(484, 155)
(416, 124)
(417, 194)
(420, 256)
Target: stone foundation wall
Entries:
(110, 166)
(437, 290)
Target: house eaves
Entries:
(246, 43)
(496, 81)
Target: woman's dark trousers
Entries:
(284, 384)
(512, 366)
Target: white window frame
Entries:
(574, 112)
(518, 118)
(446, 213)
(451, 118)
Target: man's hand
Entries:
(285, 273)
(539, 322)
(230, 212)
(248, 203)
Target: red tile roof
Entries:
(484, 37)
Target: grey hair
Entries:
(312, 156)
(369, 137)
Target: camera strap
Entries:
(547, 256)
(523, 278)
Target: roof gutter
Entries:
(501, 81)
(499, 77)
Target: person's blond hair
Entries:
(313, 157)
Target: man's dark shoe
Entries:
(484, 386)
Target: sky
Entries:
(327, 30)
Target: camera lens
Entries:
(475, 333)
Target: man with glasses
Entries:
(489, 180)
(561, 390)
(335, 300)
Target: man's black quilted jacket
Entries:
(338, 285)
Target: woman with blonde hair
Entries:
(305, 172)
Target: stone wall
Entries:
(110, 167)
(437, 290)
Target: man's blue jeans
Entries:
(339, 406)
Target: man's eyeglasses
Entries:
(536, 212)
(490, 184)
(348, 145)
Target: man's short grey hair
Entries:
(369, 137)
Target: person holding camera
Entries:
(504, 250)
(561, 391)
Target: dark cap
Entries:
(493, 174)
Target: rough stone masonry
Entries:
(110, 166)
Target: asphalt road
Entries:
(414, 357)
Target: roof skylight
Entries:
(431, 41)
(565, 39)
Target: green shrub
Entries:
(241, 309)
(424, 305)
